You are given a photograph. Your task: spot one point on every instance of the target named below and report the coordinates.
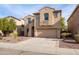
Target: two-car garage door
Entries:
(47, 33)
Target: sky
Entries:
(21, 10)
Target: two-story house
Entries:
(47, 23)
(44, 23)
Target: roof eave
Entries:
(73, 12)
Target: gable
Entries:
(46, 9)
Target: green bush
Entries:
(76, 37)
(64, 35)
(7, 25)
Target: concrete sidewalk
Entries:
(5, 51)
(40, 46)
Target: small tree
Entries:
(62, 22)
(7, 25)
(1, 24)
(11, 25)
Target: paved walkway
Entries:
(39, 46)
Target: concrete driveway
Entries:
(37, 46)
(33, 44)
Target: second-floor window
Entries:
(46, 16)
(29, 20)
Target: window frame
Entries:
(46, 16)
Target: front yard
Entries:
(37, 46)
(40, 45)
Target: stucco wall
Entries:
(53, 22)
(73, 23)
(52, 19)
(28, 25)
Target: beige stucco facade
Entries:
(47, 28)
(73, 21)
(29, 26)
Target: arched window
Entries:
(46, 16)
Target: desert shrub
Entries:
(15, 34)
(65, 35)
(76, 37)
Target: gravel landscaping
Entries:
(13, 40)
(68, 43)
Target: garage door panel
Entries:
(46, 33)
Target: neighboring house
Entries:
(47, 23)
(20, 27)
(73, 21)
(29, 26)
(19, 24)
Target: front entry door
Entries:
(32, 31)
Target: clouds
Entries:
(21, 10)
